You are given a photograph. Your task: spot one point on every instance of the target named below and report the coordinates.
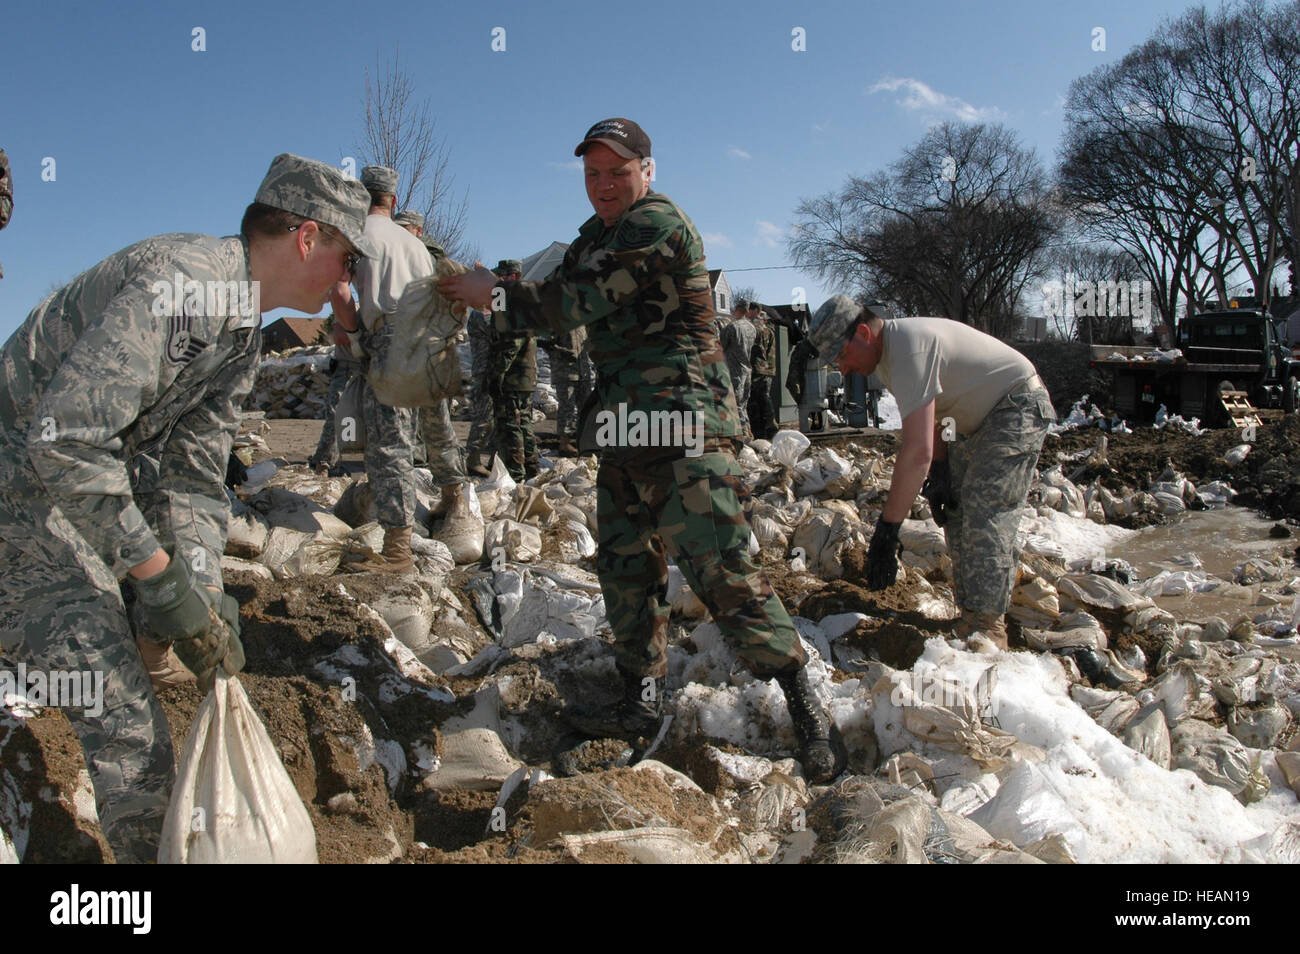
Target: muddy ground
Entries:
(300, 634)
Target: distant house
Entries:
(721, 288)
(285, 333)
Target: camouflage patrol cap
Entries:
(508, 266)
(622, 135)
(319, 192)
(379, 178)
(410, 217)
(829, 329)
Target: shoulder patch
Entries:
(182, 346)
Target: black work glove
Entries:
(938, 491)
(882, 555)
(236, 472)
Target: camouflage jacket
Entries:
(642, 289)
(763, 355)
(514, 362)
(6, 194)
(119, 404)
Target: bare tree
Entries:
(744, 293)
(400, 132)
(955, 227)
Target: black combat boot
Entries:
(812, 727)
(636, 715)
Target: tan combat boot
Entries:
(992, 626)
(461, 531)
(396, 555)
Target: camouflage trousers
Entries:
(61, 610)
(692, 509)
(740, 383)
(991, 473)
(388, 459)
(327, 449)
(441, 449)
(571, 376)
(761, 416)
(481, 430)
(513, 431)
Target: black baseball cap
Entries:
(622, 135)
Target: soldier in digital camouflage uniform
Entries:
(512, 380)
(975, 414)
(6, 195)
(636, 277)
(401, 258)
(344, 366)
(481, 438)
(762, 418)
(118, 407)
(434, 429)
(571, 378)
(737, 344)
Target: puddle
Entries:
(1221, 540)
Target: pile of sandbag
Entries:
(293, 384)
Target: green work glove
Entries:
(174, 606)
(229, 612)
(882, 555)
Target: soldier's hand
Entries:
(474, 288)
(172, 602)
(218, 645)
(938, 491)
(882, 555)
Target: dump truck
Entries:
(1228, 362)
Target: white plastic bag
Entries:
(233, 802)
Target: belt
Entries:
(1032, 383)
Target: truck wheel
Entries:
(1291, 395)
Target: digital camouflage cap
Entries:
(410, 217)
(379, 179)
(319, 192)
(829, 328)
(509, 266)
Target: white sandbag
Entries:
(515, 541)
(233, 802)
(787, 446)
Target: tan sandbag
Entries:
(412, 358)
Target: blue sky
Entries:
(149, 136)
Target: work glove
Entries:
(236, 472)
(938, 491)
(202, 625)
(882, 555)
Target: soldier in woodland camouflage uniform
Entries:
(975, 414)
(6, 195)
(512, 380)
(763, 365)
(119, 400)
(636, 277)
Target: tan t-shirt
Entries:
(381, 281)
(964, 371)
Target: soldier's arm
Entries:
(187, 504)
(75, 442)
(594, 283)
(912, 463)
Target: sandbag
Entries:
(412, 357)
(233, 802)
(349, 423)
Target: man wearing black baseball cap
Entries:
(636, 277)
